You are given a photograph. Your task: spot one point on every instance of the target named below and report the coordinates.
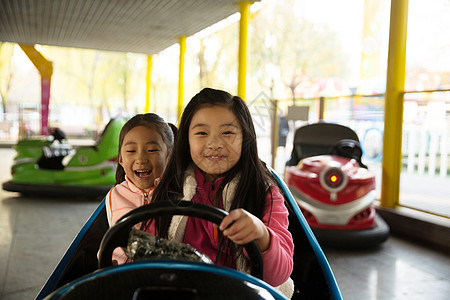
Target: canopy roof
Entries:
(140, 26)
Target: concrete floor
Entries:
(34, 234)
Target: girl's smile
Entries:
(215, 157)
(215, 140)
(143, 173)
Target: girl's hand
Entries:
(242, 227)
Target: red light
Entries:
(333, 179)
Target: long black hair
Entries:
(254, 177)
(149, 120)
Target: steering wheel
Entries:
(118, 234)
(350, 149)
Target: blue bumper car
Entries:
(80, 275)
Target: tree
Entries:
(288, 50)
(6, 71)
(217, 59)
(97, 78)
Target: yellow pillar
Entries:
(181, 75)
(243, 40)
(45, 69)
(275, 131)
(393, 119)
(148, 81)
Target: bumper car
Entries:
(160, 270)
(50, 166)
(333, 188)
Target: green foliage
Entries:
(287, 48)
(97, 78)
(218, 59)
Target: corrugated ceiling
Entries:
(141, 26)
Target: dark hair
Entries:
(149, 120)
(254, 176)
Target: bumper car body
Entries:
(82, 273)
(336, 191)
(53, 167)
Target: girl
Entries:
(145, 143)
(215, 161)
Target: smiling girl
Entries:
(215, 161)
(145, 143)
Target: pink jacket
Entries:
(125, 197)
(121, 199)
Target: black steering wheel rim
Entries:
(118, 234)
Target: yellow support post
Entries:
(393, 119)
(243, 40)
(181, 76)
(275, 131)
(148, 81)
(45, 68)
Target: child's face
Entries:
(143, 156)
(215, 140)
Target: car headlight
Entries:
(333, 179)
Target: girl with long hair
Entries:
(215, 161)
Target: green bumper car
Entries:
(51, 167)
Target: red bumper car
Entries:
(333, 188)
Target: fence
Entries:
(426, 129)
(426, 140)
